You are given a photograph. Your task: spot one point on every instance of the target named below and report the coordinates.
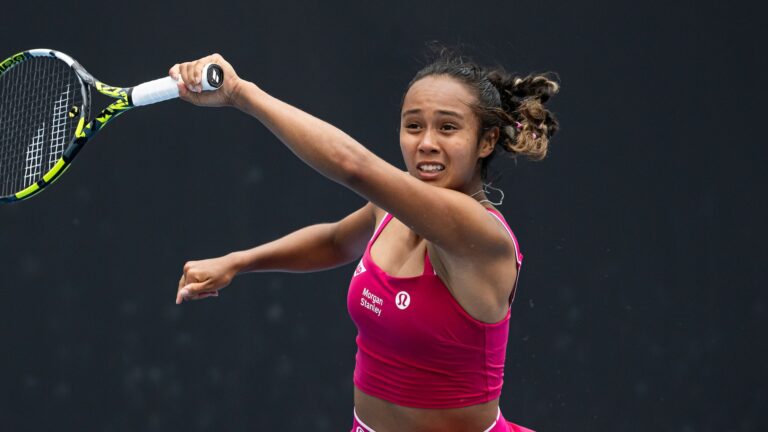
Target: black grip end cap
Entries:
(215, 75)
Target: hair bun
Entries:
(535, 86)
(531, 124)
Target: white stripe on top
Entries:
(368, 429)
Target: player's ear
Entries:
(488, 141)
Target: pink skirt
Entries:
(500, 425)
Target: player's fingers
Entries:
(199, 291)
(195, 288)
(182, 282)
(182, 71)
(204, 295)
(184, 92)
(194, 76)
(197, 75)
(187, 74)
(173, 72)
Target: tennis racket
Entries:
(45, 101)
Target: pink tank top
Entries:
(416, 346)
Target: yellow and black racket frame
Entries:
(84, 131)
(125, 99)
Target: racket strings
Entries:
(58, 135)
(36, 98)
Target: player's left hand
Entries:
(202, 279)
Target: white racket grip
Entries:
(165, 88)
(154, 91)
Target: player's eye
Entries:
(412, 126)
(449, 127)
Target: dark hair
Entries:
(514, 104)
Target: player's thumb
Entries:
(194, 288)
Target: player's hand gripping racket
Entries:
(45, 100)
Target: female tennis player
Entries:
(431, 296)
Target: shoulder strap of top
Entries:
(428, 269)
(503, 222)
(384, 221)
(500, 218)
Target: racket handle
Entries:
(165, 88)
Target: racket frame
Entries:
(84, 131)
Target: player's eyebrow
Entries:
(443, 112)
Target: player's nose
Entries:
(428, 143)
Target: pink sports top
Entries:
(416, 346)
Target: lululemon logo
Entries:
(359, 429)
(402, 300)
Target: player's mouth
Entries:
(429, 170)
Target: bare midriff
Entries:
(383, 416)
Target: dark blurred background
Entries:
(643, 301)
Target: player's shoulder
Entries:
(492, 210)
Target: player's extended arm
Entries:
(451, 220)
(316, 247)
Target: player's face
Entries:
(439, 133)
